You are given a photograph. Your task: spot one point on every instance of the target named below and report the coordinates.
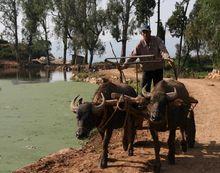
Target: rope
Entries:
(102, 127)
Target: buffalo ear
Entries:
(80, 101)
(96, 110)
(193, 100)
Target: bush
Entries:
(6, 50)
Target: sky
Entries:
(167, 7)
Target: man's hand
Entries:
(169, 60)
(122, 67)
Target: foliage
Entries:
(161, 31)
(32, 11)
(144, 10)
(121, 21)
(9, 17)
(125, 15)
(177, 25)
(6, 50)
(203, 30)
(32, 16)
(40, 48)
(176, 22)
(10, 11)
(89, 26)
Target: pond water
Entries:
(35, 75)
(35, 118)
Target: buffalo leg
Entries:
(157, 151)
(104, 156)
(183, 141)
(171, 145)
(129, 134)
(191, 130)
(102, 134)
(131, 140)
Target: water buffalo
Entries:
(169, 108)
(101, 114)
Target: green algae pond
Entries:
(35, 120)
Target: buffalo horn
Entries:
(73, 105)
(120, 100)
(100, 107)
(172, 95)
(146, 94)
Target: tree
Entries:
(65, 10)
(209, 16)
(203, 31)
(124, 16)
(89, 24)
(193, 33)
(161, 31)
(10, 10)
(32, 12)
(144, 10)
(120, 21)
(45, 7)
(177, 23)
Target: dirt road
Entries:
(205, 157)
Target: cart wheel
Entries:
(191, 130)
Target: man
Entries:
(150, 45)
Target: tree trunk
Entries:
(74, 56)
(123, 49)
(65, 36)
(64, 47)
(85, 61)
(46, 39)
(187, 56)
(16, 31)
(181, 37)
(158, 17)
(198, 56)
(125, 31)
(30, 48)
(180, 52)
(91, 58)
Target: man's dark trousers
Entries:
(148, 76)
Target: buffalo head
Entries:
(86, 115)
(158, 104)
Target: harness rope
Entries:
(102, 126)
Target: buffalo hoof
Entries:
(125, 145)
(130, 152)
(191, 144)
(171, 159)
(103, 164)
(157, 167)
(184, 146)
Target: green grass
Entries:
(35, 120)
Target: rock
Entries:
(215, 74)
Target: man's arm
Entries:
(164, 53)
(135, 52)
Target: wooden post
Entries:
(137, 76)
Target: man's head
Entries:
(146, 31)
